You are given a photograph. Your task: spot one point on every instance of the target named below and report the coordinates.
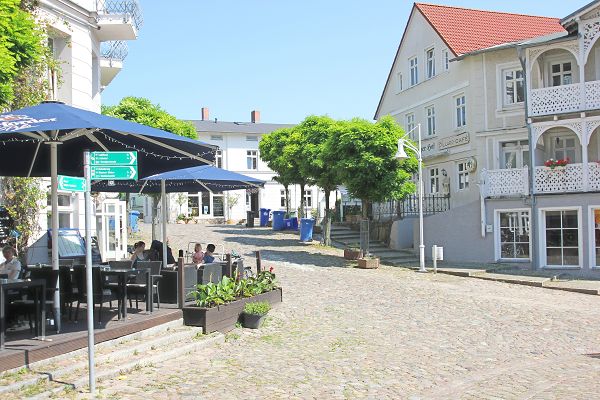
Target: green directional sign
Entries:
(117, 158)
(114, 173)
(71, 184)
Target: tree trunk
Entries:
(287, 199)
(302, 203)
(327, 225)
(365, 209)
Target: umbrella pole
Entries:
(165, 218)
(54, 205)
(88, 271)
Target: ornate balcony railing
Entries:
(122, 7)
(505, 182)
(592, 95)
(409, 206)
(559, 179)
(555, 100)
(114, 50)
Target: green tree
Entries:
(364, 156)
(293, 154)
(272, 147)
(141, 110)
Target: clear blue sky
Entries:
(286, 58)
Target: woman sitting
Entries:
(138, 252)
(12, 266)
(198, 255)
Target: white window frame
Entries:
(431, 123)
(189, 209)
(515, 81)
(431, 178)
(592, 236)
(413, 68)
(282, 198)
(252, 156)
(430, 63)
(308, 197)
(219, 158)
(409, 122)
(542, 237)
(497, 236)
(563, 136)
(460, 122)
(464, 173)
(251, 138)
(399, 83)
(446, 59)
(562, 73)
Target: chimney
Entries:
(255, 117)
(205, 116)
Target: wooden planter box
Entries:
(350, 254)
(368, 263)
(223, 318)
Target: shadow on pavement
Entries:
(261, 242)
(305, 258)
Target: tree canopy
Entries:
(141, 110)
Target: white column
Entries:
(54, 205)
(584, 155)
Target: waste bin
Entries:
(264, 216)
(278, 224)
(249, 219)
(306, 229)
(133, 220)
(291, 224)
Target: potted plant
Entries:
(352, 253)
(552, 163)
(368, 262)
(231, 200)
(254, 314)
(181, 218)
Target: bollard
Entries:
(180, 283)
(258, 262)
(434, 258)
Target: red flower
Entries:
(271, 270)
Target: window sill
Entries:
(514, 260)
(551, 267)
(511, 109)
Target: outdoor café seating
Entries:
(138, 287)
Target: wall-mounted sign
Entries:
(454, 141)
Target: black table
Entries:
(39, 285)
(123, 274)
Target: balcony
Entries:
(118, 19)
(576, 97)
(566, 179)
(505, 182)
(112, 55)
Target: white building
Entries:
(89, 38)
(466, 76)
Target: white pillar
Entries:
(54, 206)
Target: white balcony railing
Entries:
(592, 95)
(130, 8)
(559, 179)
(114, 50)
(555, 100)
(505, 182)
(594, 176)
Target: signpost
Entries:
(71, 184)
(114, 173)
(113, 165)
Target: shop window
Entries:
(562, 237)
(514, 235)
(463, 176)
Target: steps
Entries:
(398, 258)
(113, 358)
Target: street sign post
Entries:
(71, 184)
(113, 165)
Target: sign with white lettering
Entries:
(454, 141)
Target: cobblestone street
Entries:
(383, 334)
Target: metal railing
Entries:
(114, 50)
(122, 7)
(409, 206)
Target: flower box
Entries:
(368, 263)
(224, 317)
(351, 254)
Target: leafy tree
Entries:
(141, 110)
(364, 156)
(272, 147)
(293, 153)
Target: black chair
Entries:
(27, 306)
(101, 292)
(138, 287)
(212, 272)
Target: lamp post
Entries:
(401, 155)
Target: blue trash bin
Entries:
(133, 220)
(278, 224)
(291, 224)
(264, 216)
(306, 229)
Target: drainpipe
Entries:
(533, 217)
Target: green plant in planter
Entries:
(228, 289)
(257, 308)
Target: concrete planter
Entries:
(368, 263)
(223, 318)
(351, 254)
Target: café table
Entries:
(122, 275)
(39, 286)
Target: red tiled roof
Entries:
(466, 30)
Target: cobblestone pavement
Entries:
(384, 334)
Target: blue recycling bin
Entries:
(264, 216)
(306, 229)
(291, 224)
(278, 224)
(133, 220)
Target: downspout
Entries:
(533, 218)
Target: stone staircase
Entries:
(398, 258)
(58, 376)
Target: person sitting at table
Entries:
(209, 256)
(198, 255)
(12, 266)
(138, 252)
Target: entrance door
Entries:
(112, 229)
(252, 201)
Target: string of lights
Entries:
(156, 155)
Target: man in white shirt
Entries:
(12, 266)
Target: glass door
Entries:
(112, 229)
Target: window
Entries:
(514, 154)
(205, 203)
(219, 159)
(565, 147)
(410, 124)
(308, 198)
(64, 220)
(514, 90)
(251, 138)
(52, 74)
(430, 112)
(461, 111)
(561, 74)
(193, 205)
(252, 159)
(446, 59)
(434, 180)
(514, 234)
(283, 199)
(562, 237)
(216, 137)
(218, 209)
(414, 71)
(463, 176)
(399, 81)
(430, 56)
(64, 200)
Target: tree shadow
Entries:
(261, 242)
(237, 230)
(305, 258)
